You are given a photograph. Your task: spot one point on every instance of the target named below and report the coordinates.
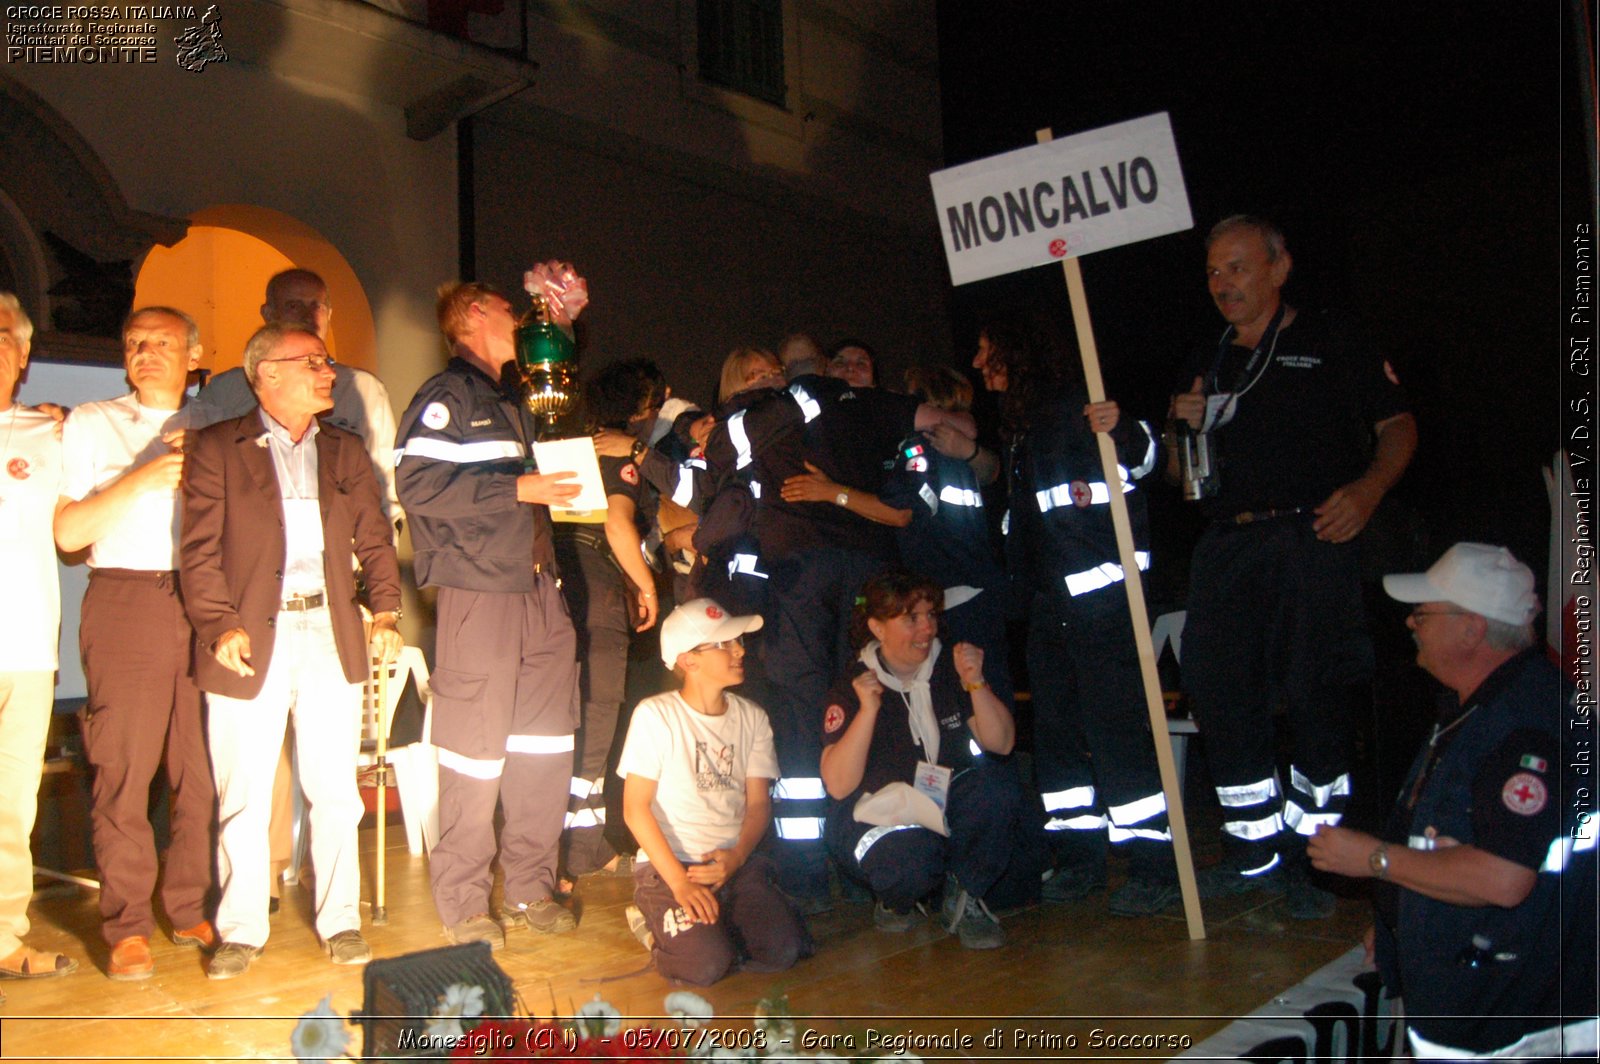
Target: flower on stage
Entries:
(458, 1002)
(598, 1019)
(320, 1034)
(690, 1010)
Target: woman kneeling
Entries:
(913, 749)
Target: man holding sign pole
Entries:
(1290, 435)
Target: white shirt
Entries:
(30, 482)
(700, 764)
(102, 441)
(296, 466)
(360, 404)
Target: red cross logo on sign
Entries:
(1524, 794)
(1081, 495)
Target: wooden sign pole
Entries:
(1134, 586)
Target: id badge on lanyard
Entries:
(934, 781)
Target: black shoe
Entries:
(1073, 882)
(1223, 879)
(1142, 897)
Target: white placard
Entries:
(574, 456)
(1092, 191)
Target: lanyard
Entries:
(1266, 345)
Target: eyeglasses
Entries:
(1419, 613)
(315, 363)
(721, 644)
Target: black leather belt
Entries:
(301, 603)
(1252, 517)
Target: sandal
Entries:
(27, 963)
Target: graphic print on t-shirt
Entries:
(713, 772)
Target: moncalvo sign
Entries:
(1089, 192)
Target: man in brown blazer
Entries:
(276, 506)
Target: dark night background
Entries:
(1412, 152)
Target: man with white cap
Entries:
(697, 765)
(1482, 863)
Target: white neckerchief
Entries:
(917, 696)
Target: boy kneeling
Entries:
(697, 764)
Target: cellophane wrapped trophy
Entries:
(546, 354)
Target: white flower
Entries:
(777, 1025)
(458, 1002)
(599, 1019)
(320, 1034)
(265, 440)
(690, 1010)
(719, 1053)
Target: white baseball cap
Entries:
(1478, 578)
(700, 621)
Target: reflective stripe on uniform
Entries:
(1061, 494)
(745, 563)
(1305, 823)
(1071, 798)
(459, 453)
(1116, 834)
(585, 818)
(873, 835)
(798, 789)
(798, 828)
(1248, 793)
(1340, 787)
(930, 498)
(539, 744)
(808, 406)
(1138, 811)
(1149, 461)
(579, 788)
(479, 768)
(1087, 822)
(960, 496)
(1264, 828)
(740, 440)
(1263, 869)
(1103, 575)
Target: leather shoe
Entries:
(201, 934)
(479, 928)
(544, 917)
(231, 960)
(348, 947)
(131, 960)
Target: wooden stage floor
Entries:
(1067, 969)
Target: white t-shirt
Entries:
(700, 765)
(102, 441)
(30, 482)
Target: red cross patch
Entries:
(1524, 794)
(833, 720)
(1081, 495)
(18, 468)
(629, 473)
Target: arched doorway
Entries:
(218, 273)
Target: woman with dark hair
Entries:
(611, 593)
(912, 749)
(1093, 754)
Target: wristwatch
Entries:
(843, 498)
(1378, 861)
(639, 447)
